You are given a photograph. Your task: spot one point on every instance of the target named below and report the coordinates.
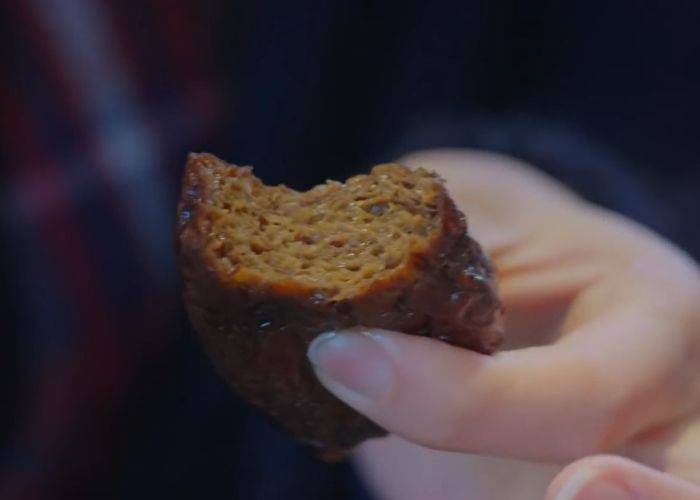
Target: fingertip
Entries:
(576, 480)
(353, 365)
(614, 477)
(410, 385)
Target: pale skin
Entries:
(603, 353)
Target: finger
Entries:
(501, 196)
(397, 469)
(488, 178)
(671, 448)
(540, 286)
(605, 477)
(567, 400)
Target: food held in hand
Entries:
(267, 268)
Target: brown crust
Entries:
(257, 334)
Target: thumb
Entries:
(549, 402)
(610, 477)
(539, 403)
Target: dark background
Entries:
(581, 84)
(602, 95)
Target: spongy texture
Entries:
(338, 239)
(266, 269)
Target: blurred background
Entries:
(105, 391)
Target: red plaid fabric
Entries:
(100, 101)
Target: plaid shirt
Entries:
(100, 102)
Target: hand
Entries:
(605, 316)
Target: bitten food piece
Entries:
(267, 268)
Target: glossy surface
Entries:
(257, 334)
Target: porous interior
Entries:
(336, 238)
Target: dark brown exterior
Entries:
(257, 337)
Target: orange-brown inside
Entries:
(335, 238)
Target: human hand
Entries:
(604, 315)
